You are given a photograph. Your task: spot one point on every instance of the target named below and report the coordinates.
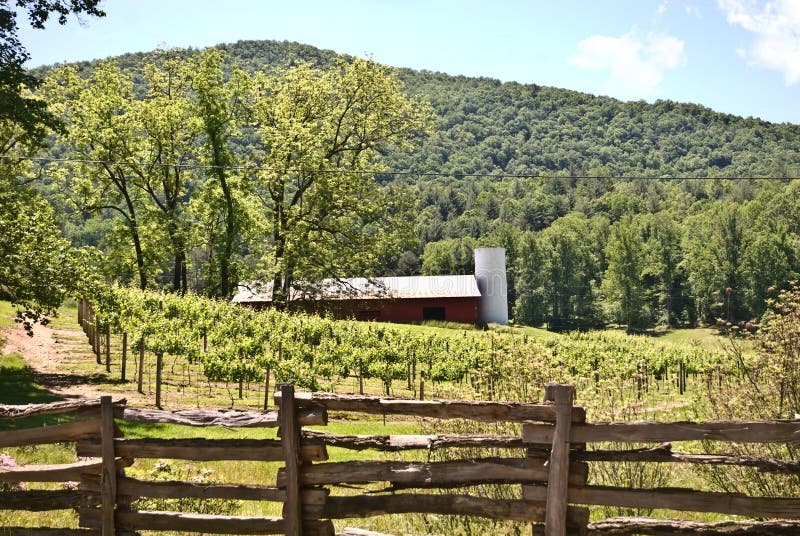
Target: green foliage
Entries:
(451, 256)
(764, 386)
(320, 132)
(314, 352)
(522, 166)
(17, 106)
(160, 161)
(623, 276)
(39, 267)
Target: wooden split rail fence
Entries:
(549, 462)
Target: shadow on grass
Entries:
(55, 379)
(18, 386)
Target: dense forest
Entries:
(663, 214)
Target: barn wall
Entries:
(462, 310)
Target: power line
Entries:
(418, 174)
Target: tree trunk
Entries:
(230, 232)
(133, 226)
(179, 273)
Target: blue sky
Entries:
(734, 56)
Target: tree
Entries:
(529, 306)
(221, 106)
(623, 277)
(17, 105)
(571, 252)
(103, 133)
(449, 256)
(321, 132)
(170, 130)
(135, 156)
(39, 267)
(663, 256)
(713, 249)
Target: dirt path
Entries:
(61, 361)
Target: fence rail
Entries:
(549, 463)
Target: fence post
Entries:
(159, 365)
(141, 365)
(266, 389)
(290, 438)
(558, 474)
(124, 356)
(96, 340)
(108, 478)
(107, 331)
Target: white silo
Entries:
(490, 272)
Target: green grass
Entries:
(65, 317)
(703, 337)
(537, 334)
(7, 313)
(707, 338)
(18, 385)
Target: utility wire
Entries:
(419, 174)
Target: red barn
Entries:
(453, 298)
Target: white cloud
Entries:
(635, 66)
(662, 7)
(776, 26)
(693, 11)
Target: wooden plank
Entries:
(169, 489)
(558, 475)
(202, 523)
(67, 406)
(45, 500)
(290, 439)
(351, 531)
(201, 449)
(176, 489)
(230, 419)
(395, 443)
(402, 474)
(27, 531)
(441, 409)
(56, 433)
(108, 479)
(178, 521)
(54, 473)
(655, 432)
(631, 526)
(466, 505)
(664, 454)
(678, 499)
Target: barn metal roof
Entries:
(430, 286)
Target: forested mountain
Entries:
(632, 212)
(487, 127)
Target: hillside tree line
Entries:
(258, 160)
